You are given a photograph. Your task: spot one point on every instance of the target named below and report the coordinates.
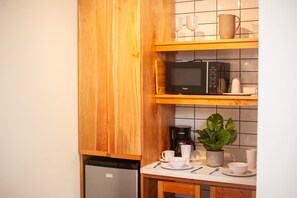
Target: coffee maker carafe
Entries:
(180, 135)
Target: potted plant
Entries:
(215, 136)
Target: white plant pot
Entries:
(215, 158)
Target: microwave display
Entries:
(196, 77)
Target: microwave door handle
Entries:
(206, 83)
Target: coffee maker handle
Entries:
(194, 146)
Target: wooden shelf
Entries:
(161, 98)
(207, 100)
(243, 43)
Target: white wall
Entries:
(277, 132)
(38, 99)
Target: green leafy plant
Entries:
(216, 135)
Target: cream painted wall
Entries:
(277, 131)
(38, 99)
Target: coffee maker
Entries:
(180, 135)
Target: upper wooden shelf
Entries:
(242, 43)
(207, 100)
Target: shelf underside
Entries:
(207, 100)
(242, 43)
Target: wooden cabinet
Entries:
(118, 115)
(169, 47)
(221, 192)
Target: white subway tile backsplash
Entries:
(249, 14)
(248, 127)
(209, 55)
(185, 7)
(205, 5)
(250, 140)
(249, 77)
(249, 114)
(208, 29)
(228, 4)
(249, 3)
(189, 122)
(184, 55)
(184, 112)
(249, 65)
(228, 54)
(200, 124)
(227, 113)
(204, 113)
(249, 53)
(207, 17)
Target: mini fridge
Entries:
(111, 178)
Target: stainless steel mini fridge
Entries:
(111, 178)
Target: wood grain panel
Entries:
(92, 94)
(157, 24)
(221, 192)
(126, 78)
(179, 188)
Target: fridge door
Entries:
(106, 182)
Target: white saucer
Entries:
(185, 167)
(227, 171)
(164, 161)
(237, 94)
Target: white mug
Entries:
(186, 152)
(167, 154)
(251, 158)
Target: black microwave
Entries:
(196, 77)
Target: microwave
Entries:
(197, 77)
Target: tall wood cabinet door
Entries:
(126, 80)
(220, 192)
(93, 73)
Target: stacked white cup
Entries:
(186, 152)
(251, 158)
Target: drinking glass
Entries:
(178, 25)
(192, 23)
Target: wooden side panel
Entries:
(126, 90)
(160, 77)
(149, 187)
(157, 22)
(92, 76)
(220, 192)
